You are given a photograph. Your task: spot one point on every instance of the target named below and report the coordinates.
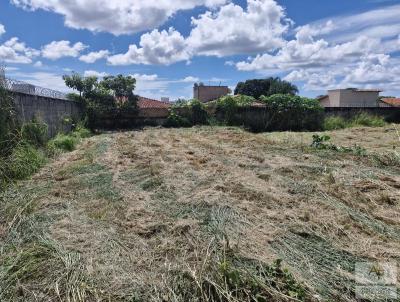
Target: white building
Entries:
(351, 97)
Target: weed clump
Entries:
(321, 142)
(35, 132)
(361, 119)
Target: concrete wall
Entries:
(209, 93)
(351, 98)
(51, 111)
(390, 114)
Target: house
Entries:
(390, 102)
(207, 94)
(351, 97)
(149, 108)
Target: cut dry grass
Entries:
(202, 214)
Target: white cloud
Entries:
(59, 49)
(191, 79)
(43, 79)
(38, 64)
(116, 16)
(230, 30)
(94, 56)
(379, 23)
(2, 29)
(165, 47)
(304, 52)
(93, 73)
(233, 30)
(14, 51)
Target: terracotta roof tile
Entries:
(149, 103)
(392, 101)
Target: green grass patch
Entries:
(24, 161)
(362, 119)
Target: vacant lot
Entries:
(202, 214)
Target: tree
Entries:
(266, 87)
(84, 85)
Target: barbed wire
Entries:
(24, 87)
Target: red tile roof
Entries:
(144, 103)
(392, 101)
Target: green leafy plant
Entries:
(321, 142)
(288, 112)
(24, 161)
(228, 107)
(265, 87)
(187, 114)
(64, 142)
(35, 132)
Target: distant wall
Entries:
(209, 93)
(391, 114)
(52, 111)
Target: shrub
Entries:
(8, 121)
(174, 120)
(228, 106)
(335, 123)
(24, 161)
(187, 114)
(64, 142)
(361, 119)
(35, 132)
(368, 120)
(288, 112)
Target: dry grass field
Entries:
(202, 214)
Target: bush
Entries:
(8, 121)
(228, 106)
(174, 120)
(24, 161)
(187, 114)
(64, 142)
(361, 119)
(368, 120)
(335, 123)
(288, 112)
(35, 132)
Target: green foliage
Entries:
(24, 161)
(248, 281)
(64, 142)
(174, 120)
(265, 87)
(335, 123)
(361, 119)
(368, 120)
(35, 132)
(187, 114)
(321, 142)
(111, 97)
(228, 106)
(288, 112)
(8, 121)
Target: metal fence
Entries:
(24, 87)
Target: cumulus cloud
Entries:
(191, 79)
(94, 73)
(227, 31)
(14, 51)
(59, 49)
(94, 56)
(2, 29)
(304, 52)
(234, 30)
(165, 47)
(117, 16)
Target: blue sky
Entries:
(168, 45)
